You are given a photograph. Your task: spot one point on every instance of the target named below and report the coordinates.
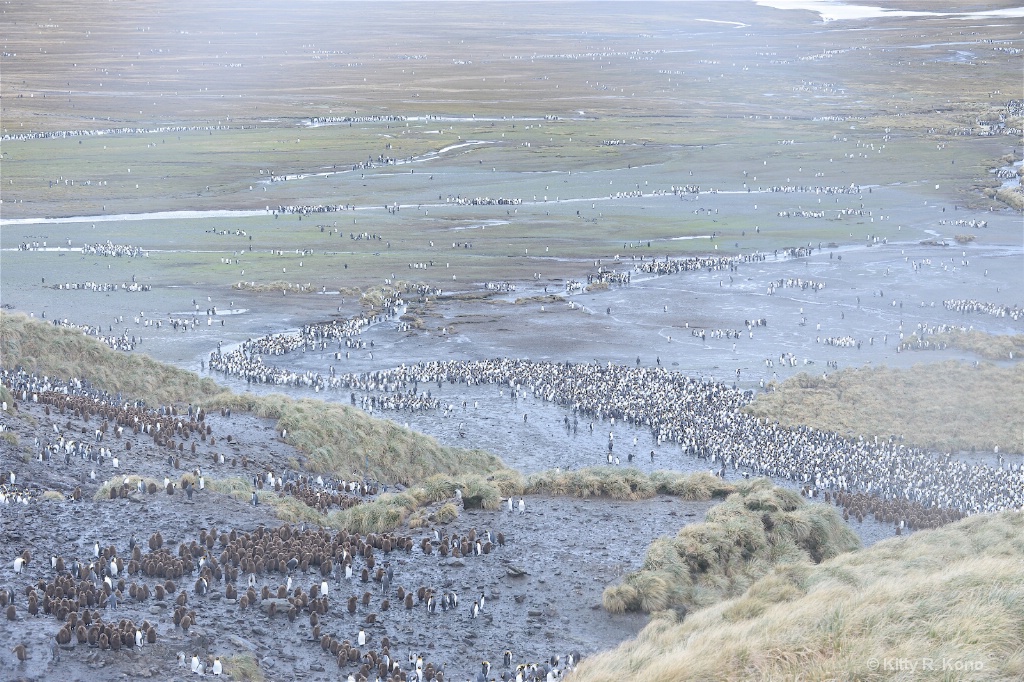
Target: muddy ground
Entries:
(567, 549)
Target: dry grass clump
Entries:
(10, 437)
(627, 484)
(53, 496)
(382, 515)
(1012, 197)
(286, 507)
(948, 597)
(276, 285)
(244, 668)
(478, 492)
(447, 513)
(698, 487)
(948, 406)
(756, 528)
(133, 485)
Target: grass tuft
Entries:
(627, 484)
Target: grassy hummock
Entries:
(742, 539)
(949, 597)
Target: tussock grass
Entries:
(10, 437)
(276, 285)
(384, 514)
(478, 492)
(1012, 197)
(948, 406)
(53, 496)
(756, 528)
(346, 442)
(285, 507)
(627, 484)
(103, 493)
(39, 347)
(6, 397)
(337, 439)
(244, 668)
(447, 513)
(953, 594)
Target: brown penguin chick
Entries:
(385, 605)
(20, 652)
(272, 609)
(408, 600)
(366, 598)
(352, 603)
(12, 613)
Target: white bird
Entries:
(139, 639)
(522, 506)
(181, 659)
(217, 667)
(362, 637)
(324, 588)
(195, 664)
(113, 568)
(19, 564)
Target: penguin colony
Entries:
(340, 588)
(289, 574)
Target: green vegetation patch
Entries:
(949, 406)
(742, 539)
